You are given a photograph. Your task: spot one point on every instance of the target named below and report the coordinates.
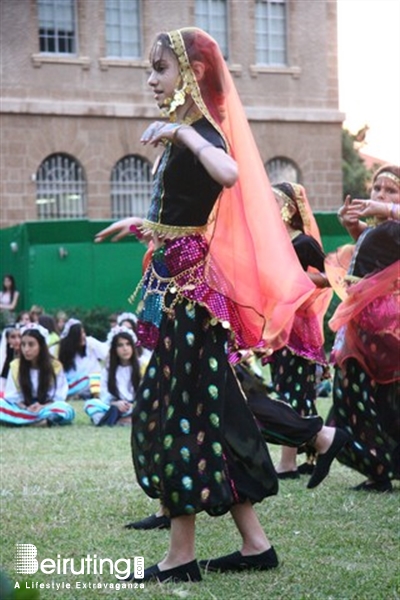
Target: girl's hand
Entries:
(158, 131)
(370, 208)
(346, 216)
(35, 408)
(122, 405)
(119, 229)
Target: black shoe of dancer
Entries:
(288, 475)
(188, 572)
(306, 469)
(237, 562)
(151, 522)
(374, 486)
(325, 460)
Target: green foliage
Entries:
(356, 176)
(95, 320)
(8, 592)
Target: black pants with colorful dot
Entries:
(195, 443)
(370, 412)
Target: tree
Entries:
(356, 176)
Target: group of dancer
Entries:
(224, 278)
(235, 268)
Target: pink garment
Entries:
(368, 325)
(307, 335)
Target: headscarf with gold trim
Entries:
(307, 335)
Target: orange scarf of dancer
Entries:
(248, 241)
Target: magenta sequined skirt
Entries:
(181, 269)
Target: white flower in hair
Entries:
(68, 326)
(118, 329)
(36, 327)
(126, 316)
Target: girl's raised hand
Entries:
(119, 229)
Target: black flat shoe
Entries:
(306, 469)
(151, 522)
(325, 460)
(110, 417)
(374, 486)
(288, 475)
(237, 562)
(187, 572)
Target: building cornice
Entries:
(82, 108)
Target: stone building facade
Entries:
(88, 108)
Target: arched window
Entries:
(282, 169)
(131, 184)
(60, 188)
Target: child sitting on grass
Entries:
(119, 381)
(36, 387)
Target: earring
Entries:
(178, 99)
(285, 213)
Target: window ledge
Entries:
(106, 63)
(235, 69)
(56, 59)
(256, 70)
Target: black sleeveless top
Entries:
(183, 192)
(377, 249)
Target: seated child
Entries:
(81, 357)
(119, 381)
(36, 387)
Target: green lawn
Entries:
(70, 490)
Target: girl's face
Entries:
(7, 283)
(279, 200)
(164, 77)
(124, 351)
(289, 210)
(30, 348)
(83, 337)
(60, 322)
(25, 318)
(127, 324)
(386, 190)
(14, 340)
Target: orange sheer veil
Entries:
(248, 242)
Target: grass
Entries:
(69, 491)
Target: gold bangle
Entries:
(200, 150)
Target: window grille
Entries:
(123, 28)
(212, 16)
(60, 188)
(57, 27)
(282, 169)
(131, 186)
(270, 32)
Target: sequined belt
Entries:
(179, 268)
